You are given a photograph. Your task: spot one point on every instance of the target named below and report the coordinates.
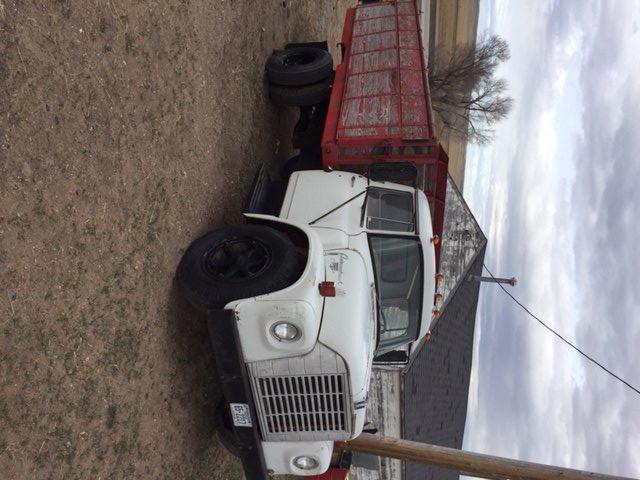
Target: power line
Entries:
(591, 359)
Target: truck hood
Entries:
(349, 319)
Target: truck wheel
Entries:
(300, 96)
(299, 66)
(237, 262)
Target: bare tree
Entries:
(464, 91)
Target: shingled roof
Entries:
(436, 387)
(436, 383)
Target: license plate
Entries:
(240, 414)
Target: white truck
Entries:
(300, 303)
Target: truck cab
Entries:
(343, 273)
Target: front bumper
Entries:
(236, 390)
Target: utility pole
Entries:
(468, 463)
(511, 281)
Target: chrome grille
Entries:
(310, 403)
(303, 398)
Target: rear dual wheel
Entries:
(300, 96)
(299, 76)
(299, 66)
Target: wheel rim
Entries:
(237, 260)
(298, 58)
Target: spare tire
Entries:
(299, 66)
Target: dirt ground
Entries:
(126, 130)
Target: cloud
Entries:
(559, 211)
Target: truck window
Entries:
(399, 275)
(389, 210)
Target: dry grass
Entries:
(126, 129)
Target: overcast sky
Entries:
(557, 194)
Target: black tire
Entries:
(299, 66)
(300, 96)
(224, 430)
(237, 262)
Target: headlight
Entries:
(305, 463)
(285, 332)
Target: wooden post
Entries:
(468, 463)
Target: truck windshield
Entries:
(399, 274)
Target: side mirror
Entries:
(397, 172)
